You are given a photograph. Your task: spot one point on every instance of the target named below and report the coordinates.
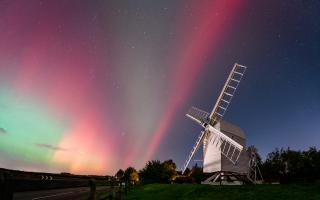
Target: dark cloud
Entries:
(3, 131)
(50, 147)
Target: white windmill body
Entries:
(223, 142)
(214, 160)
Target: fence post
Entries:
(92, 185)
(6, 186)
(2, 182)
(112, 195)
(120, 191)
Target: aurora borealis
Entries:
(89, 87)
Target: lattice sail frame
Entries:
(228, 147)
(227, 93)
(198, 115)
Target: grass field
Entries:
(204, 192)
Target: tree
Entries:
(134, 177)
(152, 172)
(131, 176)
(272, 167)
(170, 172)
(157, 172)
(187, 172)
(197, 174)
(289, 165)
(120, 175)
(312, 162)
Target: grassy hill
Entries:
(204, 192)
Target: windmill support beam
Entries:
(226, 178)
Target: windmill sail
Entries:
(228, 147)
(200, 116)
(194, 150)
(227, 93)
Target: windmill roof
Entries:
(231, 128)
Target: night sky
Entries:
(89, 87)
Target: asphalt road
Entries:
(57, 194)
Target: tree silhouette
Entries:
(187, 172)
(197, 174)
(157, 172)
(131, 176)
(289, 165)
(152, 172)
(120, 175)
(170, 172)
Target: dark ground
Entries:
(204, 192)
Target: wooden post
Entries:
(6, 186)
(92, 193)
(120, 191)
(2, 184)
(126, 187)
(113, 194)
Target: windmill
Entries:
(217, 142)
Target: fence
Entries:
(16, 181)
